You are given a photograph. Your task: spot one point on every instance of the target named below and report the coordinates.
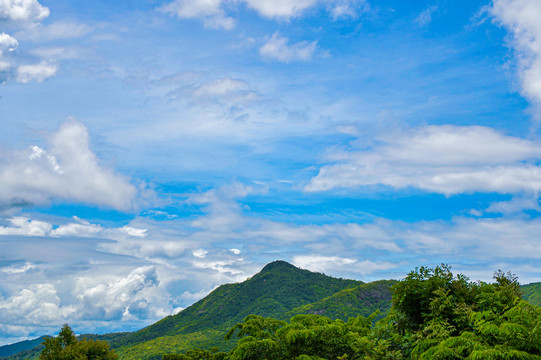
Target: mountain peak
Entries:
(277, 265)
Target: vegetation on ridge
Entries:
(430, 307)
(434, 315)
(276, 289)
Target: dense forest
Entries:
(434, 315)
(430, 314)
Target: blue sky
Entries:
(153, 150)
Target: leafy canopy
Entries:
(66, 347)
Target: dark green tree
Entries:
(66, 347)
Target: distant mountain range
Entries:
(280, 290)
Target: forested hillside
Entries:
(277, 289)
(434, 315)
(532, 293)
(283, 303)
(360, 300)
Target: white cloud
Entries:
(24, 17)
(277, 48)
(8, 42)
(213, 12)
(336, 264)
(36, 72)
(235, 251)
(200, 253)
(136, 232)
(348, 8)
(442, 159)
(220, 87)
(521, 18)
(14, 269)
(209, 10)
(37, 304)
(119, 298)
(26, 227)
(515, 205)
(280, 8)
(22, 10)
(222, 267)
(54, 31)
(69, 171)
(77, 229)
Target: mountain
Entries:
(278, 288)
(360, 300)
(11, 349)
(532, 293)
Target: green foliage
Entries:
(66, 347)
(362, 300)
(434, 314)
(278, 288)
(532, 293)
(155, 348)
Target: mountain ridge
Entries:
(279, 290)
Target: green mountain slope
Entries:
(532, 293)
(280, 291)
(30, 349)
(277, 289)
(8, 350)
(361, 300)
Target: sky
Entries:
(152, 150)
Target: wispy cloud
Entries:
(425, 17)
(278, 48)
(210, 11)
(213, 13)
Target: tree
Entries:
(66, 347)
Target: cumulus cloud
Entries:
(21, 14)
(442, 159)
(23, 226)
(69, 170)
(37, 304)
(22, 10)
(122, 297)
(8, 42)
(521, 18)
(278, 48)
(83, 298)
